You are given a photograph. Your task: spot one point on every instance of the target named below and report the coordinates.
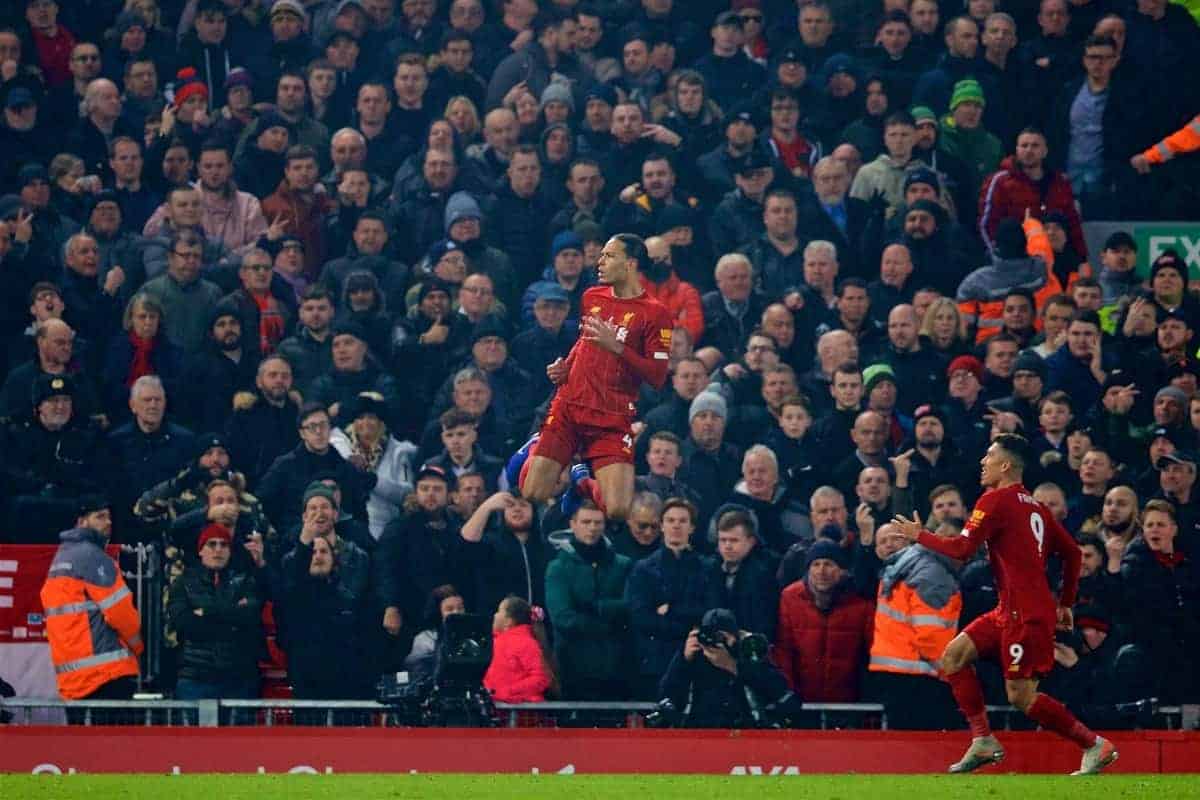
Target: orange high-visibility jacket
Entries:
(1184, 140)
(93, 627)
(986, 312)
(916, 613)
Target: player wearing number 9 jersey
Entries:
(1020, 533)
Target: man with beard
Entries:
(222, 369)
(927, 465)
(262, 426)
(420, 551)
(918, 370)
(50, 462)
(186, 298)
(265, 302)
(187, 490)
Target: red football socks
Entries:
(1054, 716)
(969, 696)
(590, 489)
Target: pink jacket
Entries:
(517, 673)
(236, 222)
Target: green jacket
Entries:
(587, 607)
(978, 149)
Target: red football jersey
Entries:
(604, 385)
(1020, 532)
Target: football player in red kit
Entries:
(624, 340)
(1019, 633)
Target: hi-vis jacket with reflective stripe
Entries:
(1184, 140)
(93, 627)
(916, 613)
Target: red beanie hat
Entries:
(213, 531)
(188, 84)
(969, 363)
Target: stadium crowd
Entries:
(281, 281)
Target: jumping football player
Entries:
(624, 340)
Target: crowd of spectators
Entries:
(281, 281)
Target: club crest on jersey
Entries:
(594, 310)
(625, 320)
(977, 516)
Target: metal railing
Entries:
(363, 713)
(368, 713)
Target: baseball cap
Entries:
(434, 471)
(1177, 457)
(729, 18)
(551, 293)
(1120, 240)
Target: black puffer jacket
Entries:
(221, 644)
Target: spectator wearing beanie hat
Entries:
(963, 412)
(824, 629)
(463, 226)
(963, 135)
(566, 271)
(1168, 284)
(711, 465)
(215, 612)
(258, 168)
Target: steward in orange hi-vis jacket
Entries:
(93, 627)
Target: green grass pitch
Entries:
(586, 787)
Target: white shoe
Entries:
(983, 751)
(1097, 757)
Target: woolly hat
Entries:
(1010, 239)
(213, 531)
(1169, 260)
(922, 175)
(923, 114)
(128, 20)
(1029, 361)
(432, 284)
(602, 91)
(966, 91)
(290, 7)
(461, 205)
(828, 549)
(318, 489)
(348, 327)
(1173, 392)
(875, 373)
(239, 76)
(208, 441)
(708, 401)
(188, 84)
(559, 92)
(90, 503)
(969, 363)
(438, 250)
(490, 325)
(31, 172)
(928, 410)
(565, 240)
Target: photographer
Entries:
(722, 679)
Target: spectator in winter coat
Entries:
(521, 670)
(742, 577)
(666, 594)
(262, 426)
(1026, 182)
(284, 484)
(228, 364)
(215, 611)
(1017, 262)
(144, 350)
(1162, 594)
(585, 597)
(363, 440)
(825, 629)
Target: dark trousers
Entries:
(914, 702)
(119, 689)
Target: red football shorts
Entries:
(567, 431)
(1023, 647)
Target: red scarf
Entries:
(270, 322)
(143, 349)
